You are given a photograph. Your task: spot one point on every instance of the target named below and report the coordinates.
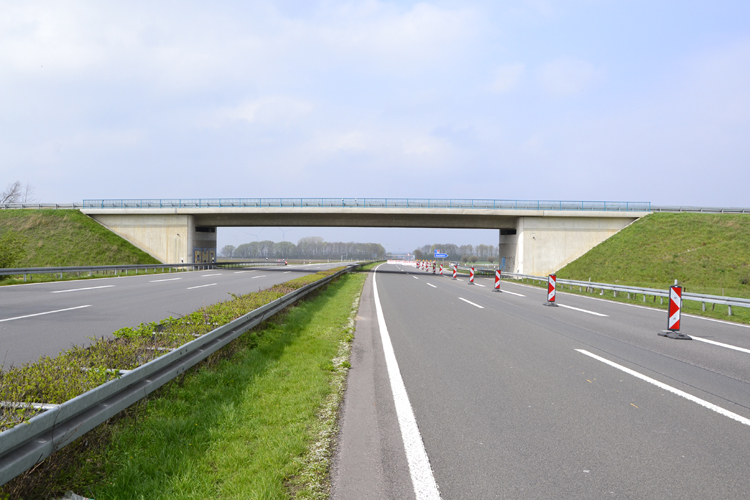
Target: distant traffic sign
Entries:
(441, 255)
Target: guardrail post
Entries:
(729, 310)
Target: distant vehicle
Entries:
(282, 260)
(453, 264)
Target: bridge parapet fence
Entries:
(485, 204)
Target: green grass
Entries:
(244, 428)
(707, 253)
(68, 238)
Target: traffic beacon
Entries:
(673, 317)
(497, 281)
(551, 291)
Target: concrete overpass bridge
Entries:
(534, 237)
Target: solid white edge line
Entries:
(207, 275)
(170, 279)
(80, 289)
(513, 293)
(673, 390)
(200, 286)
(582, 310)
(423, 481)
(741, 349)
(42, 314)
(240, 272)
(470, 302)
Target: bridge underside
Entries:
(531, 241)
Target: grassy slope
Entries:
(69, 238)
(707, 253)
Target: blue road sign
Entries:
(440, 255)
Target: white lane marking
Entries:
(256, 277)
(513, 293)
(240, 272)
(741, 349)
(415, 277)
(422, 479)
(80, 289)
(470, 302)
(286, 272)
(42, 314)
(200, 286)
(430, 284)
(170, 279)
(459, 279)
(479, 284)
(206, 275)
(690, 397)
(582, 310)
(655, 309)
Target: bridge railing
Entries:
(619, 206)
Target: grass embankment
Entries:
(254, 421)
(57, 238)
(706, 253)
(68, 238)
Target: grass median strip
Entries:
(255, 421)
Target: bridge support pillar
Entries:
(171, 238)
(542, 245)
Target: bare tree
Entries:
(16, 192)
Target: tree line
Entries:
(462, 253)
(311, 247)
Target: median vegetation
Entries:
(255, 420)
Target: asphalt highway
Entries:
(513, 399)
(42, 319)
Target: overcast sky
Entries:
(573, 100)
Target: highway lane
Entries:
(511, 404)
(42, 319)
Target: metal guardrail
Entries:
(696, 297)
(702, 210)
(125, 269)
(626, 206)
(24, 445)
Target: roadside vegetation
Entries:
(41, 238)
(255, 420)
(706, 253)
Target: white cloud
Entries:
(566, 76)
(271, 110)
(507, 78)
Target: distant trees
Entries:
(461, 253)
(312, 247)
(15, 192)
(227, 251)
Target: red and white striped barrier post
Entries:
(441, 269)
(497, 281)
(471, 276)
(674, 314)
(455, 272)
(551, 291)
(433, 267)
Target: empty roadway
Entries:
(517, 400)
(44, 318)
